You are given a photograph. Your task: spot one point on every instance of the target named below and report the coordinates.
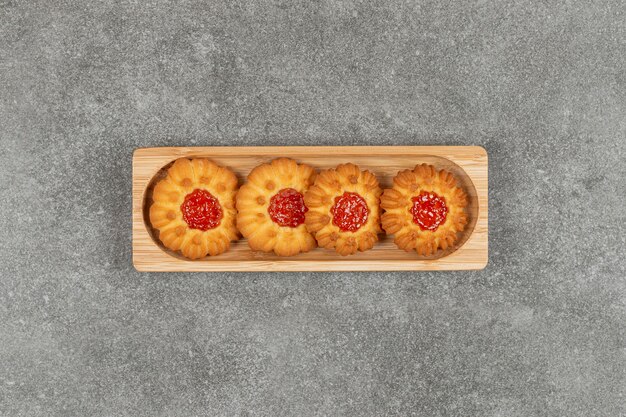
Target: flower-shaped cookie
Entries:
(271, 208)
(194, 208)
(425, 209)
(343, 209)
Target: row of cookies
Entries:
(288, 208)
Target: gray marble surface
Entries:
(539, 332)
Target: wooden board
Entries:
(467, 163)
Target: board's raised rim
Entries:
(472, 159)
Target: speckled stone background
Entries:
(539, 332)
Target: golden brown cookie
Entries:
(425, 209)
(194, 208)
(271, 207)
(343, 209)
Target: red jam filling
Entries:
(428, 210)
(201, 210)
(349, 212)
(287, 208)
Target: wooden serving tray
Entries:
(467, 163)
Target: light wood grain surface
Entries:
(467, 163)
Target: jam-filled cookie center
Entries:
(201, 210)
(350, 212)
(429, 210)
(287, 208)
